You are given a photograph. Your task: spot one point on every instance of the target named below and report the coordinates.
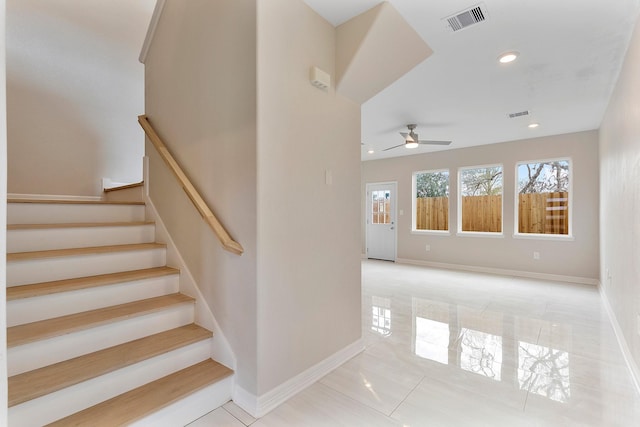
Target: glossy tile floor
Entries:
(447, 348)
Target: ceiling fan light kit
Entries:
(411, 144)
(508, 57)
(411, 139)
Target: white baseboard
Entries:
(500, 271)
(622, 342)
(259, 406)
(19, 196)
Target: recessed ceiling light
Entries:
(533, 125)
(370, 151)
(505, 58)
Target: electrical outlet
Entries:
(427, 248)
(638, 324)
(536, 255)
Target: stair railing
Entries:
(227, 242)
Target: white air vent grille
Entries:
(467, 17)
(519, 114)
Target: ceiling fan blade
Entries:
(426, 142)
(391, 148)
(404, 134)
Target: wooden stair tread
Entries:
(30, 332)
(55, 253)
(39, 382)
(124, 187)
(135, 404)
(73, 202)
(77, 225)
(142, 401)
(66, 285)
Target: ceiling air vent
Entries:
(519, 114)
(466, 18)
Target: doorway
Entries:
(381, 221)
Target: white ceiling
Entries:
(571, 52)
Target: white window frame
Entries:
(516, 202)
(414, 206)
(461, 233)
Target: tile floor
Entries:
(447, 348)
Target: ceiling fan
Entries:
(411, 140)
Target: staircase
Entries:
(98, 331)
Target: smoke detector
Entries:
(466, 18)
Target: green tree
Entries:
(481, 181)
(432, 184)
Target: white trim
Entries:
(221, 350)
(151, 31)
(622, 342)
(501, 271)
(490, 234)
(516, 200)
(442, 233)
(414, 190)
(459, 200)
(20, 196)
(259, 406)
(533, 236)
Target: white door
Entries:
(381, 221)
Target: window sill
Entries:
(558, 237)
(480, 234)
(432, 232)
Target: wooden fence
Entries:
(381, 212)
(432, 213)
(482, 213)
(541, 213)
(544, 213)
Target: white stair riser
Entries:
(33, 309)
(81, 237)
(191, 407)
(62, 403)
(39, 213)
(68, 267)
(46, 352)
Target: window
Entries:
(543, 197)
(380, 207)
(431, 209)
(481, 199)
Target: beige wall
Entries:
(3, 220)
(576, 258)
(201, 98)
(308, 240)
(228, 90)
(620, 205)
(74, 89)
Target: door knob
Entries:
(391, 228)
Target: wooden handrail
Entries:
(227, 242)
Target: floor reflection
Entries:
(432, 340)
(440, 334)
(544, 371)
(381, 315)
(481, 353)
